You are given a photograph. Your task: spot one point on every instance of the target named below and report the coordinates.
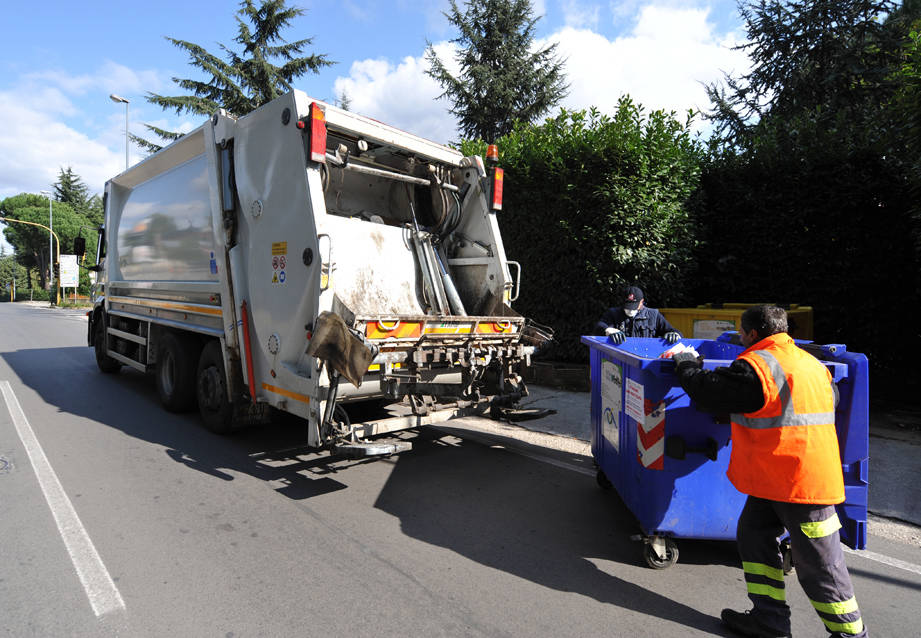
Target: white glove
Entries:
(615, 335)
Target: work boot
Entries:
(747, 624)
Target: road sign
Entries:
(70, 273)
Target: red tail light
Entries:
(316, 134)
(498, 176)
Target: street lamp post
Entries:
(52, 290)
(118, 98)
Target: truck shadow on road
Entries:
(535, 521)
(539, 522)
(128, 401)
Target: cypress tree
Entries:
(502, 78)
(240, 81)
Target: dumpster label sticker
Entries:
(650, 436)
(711, 328)
(612, 389)
(634, 399)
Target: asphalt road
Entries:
(175, 531)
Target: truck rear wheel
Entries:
(176, 372)
(106, 364)
(211, 388)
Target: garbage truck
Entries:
(303, 257)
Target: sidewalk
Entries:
(895, 451)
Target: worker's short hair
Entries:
(766, 320)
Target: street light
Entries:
(50, 249)
(118, 98)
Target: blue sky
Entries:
(59, 61)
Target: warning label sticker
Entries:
(633, 400)
(279, 261)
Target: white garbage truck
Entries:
(303, 257)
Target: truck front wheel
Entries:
(211, 387)
(106, 363)
(176, 372)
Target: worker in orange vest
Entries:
(785, 457)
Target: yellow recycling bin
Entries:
(708, 321)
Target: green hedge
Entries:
(593, 203)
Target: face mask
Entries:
(631, 313)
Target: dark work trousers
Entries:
(817, 556)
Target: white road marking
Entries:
(885, 560)
(101, 591)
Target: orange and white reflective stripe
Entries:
(197, 309)
(400, 330)
(303, 398)
(383, 328)
(497, 327)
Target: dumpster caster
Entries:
(660, 551)
(603, 481)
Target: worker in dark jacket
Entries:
(633, 319)
(785, 457)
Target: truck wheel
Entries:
(176, 372)
(106, 364)
(211, 387)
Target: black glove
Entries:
(685, 357)
(672, 337)
(616, 336)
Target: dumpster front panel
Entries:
(668, 461)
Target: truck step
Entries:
(383, 447)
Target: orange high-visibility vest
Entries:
(788, 450)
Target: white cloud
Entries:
(580, 15)
(35, 145)
(52, 121)
(401, 95)
(662, 63)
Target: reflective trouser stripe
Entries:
(762, 570)
(777, 593)
(846, 607)
(821, 529)
(845, 627)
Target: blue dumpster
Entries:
(668, 461)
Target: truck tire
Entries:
(211, 389)
(176, 372)
(106, 364)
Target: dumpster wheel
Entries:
(666, 546)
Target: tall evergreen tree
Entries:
(70, 189)
(241, 81)
(821, 59)
(502, 78)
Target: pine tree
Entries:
(810, 58)
(245, 80)
(502, 78)
(70, 189)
